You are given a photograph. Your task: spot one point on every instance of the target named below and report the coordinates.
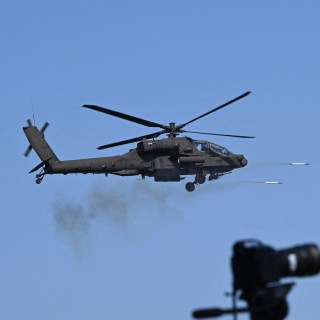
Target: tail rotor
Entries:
(42, 130)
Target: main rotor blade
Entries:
(119, 143)
(216, 109)
(219, 134)
(125, 116)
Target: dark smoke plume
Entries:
(72, 223)
(119, 203)
(115, 204)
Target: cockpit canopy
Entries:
(210, 147)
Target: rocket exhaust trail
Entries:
(299, 164)
(270, 182)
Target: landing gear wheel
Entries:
(39, 178)
(190, 186)
(200, 179)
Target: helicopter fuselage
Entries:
(165, 159)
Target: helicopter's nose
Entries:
(242, 161)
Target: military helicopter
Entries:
(168, 159)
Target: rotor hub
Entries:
(172, 125)
(172, 130)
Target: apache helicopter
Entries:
(167, 159)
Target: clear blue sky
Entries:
(91, 247)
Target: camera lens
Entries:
(301, 260)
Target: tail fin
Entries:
(40, 145)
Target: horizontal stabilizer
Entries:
(40, 165)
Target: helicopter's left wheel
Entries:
(190, 186)
(200, 179)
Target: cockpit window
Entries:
(216, 148)
(206, 146)
(201, 145)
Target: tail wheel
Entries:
(39, 178)
(190, 186)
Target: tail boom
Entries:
(52, 165)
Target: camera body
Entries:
(254, 264)
(258, 269)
